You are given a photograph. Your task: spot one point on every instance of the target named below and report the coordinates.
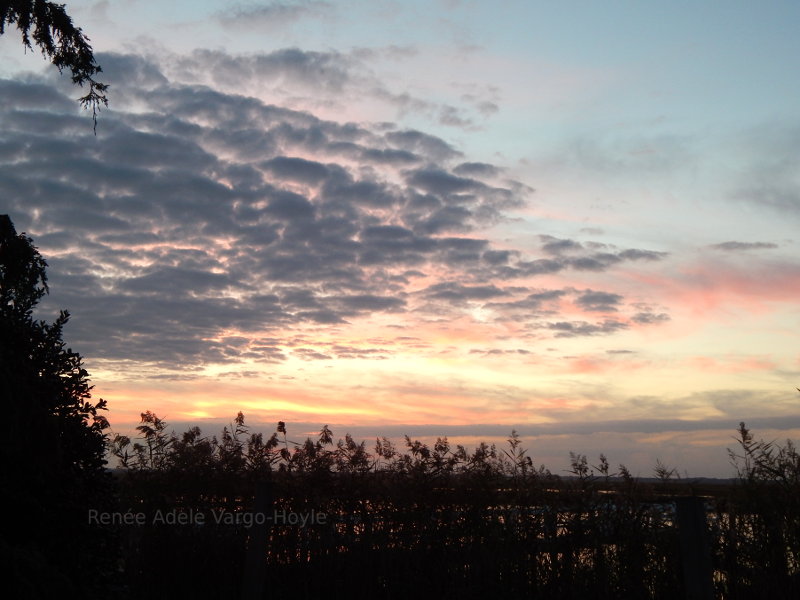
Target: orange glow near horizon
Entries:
(482, 366)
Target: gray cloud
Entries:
(271, 15)
(648, 318)
(438, 181)
(635, 254)
(200, 227)
(582, 328)
(770, 180)
(422, 143)
(539, 430)
(34, 95)
(646, 154)
(736, 246)
(296, 169)
(312, 79)
(598, 301)
(476, 169)
(310, 354)
(452, 116)
(592, 256)
(556, 246)
(455, 292)
(781, 195)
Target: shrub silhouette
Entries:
(450, 522)
(455, 522)
(53, 451)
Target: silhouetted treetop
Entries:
(52, 459)
(23, 280)
(50, 28)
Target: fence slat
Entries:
(695, 548)
(257, 542)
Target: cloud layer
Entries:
(202, 227)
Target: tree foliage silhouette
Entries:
(52, 452)
(48, 25)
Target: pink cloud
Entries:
(712, 285)
(600, 365)
(730, 364)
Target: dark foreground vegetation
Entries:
(53, 447)
(440, 521)
(191, 516)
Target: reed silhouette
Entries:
(441, 521)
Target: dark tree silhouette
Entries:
(52, 467)
(48, 25)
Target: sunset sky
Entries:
(576, 219)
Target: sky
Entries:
(577, 220)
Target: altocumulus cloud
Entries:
(207, 227)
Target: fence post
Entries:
(695, 548)
(257, 542)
